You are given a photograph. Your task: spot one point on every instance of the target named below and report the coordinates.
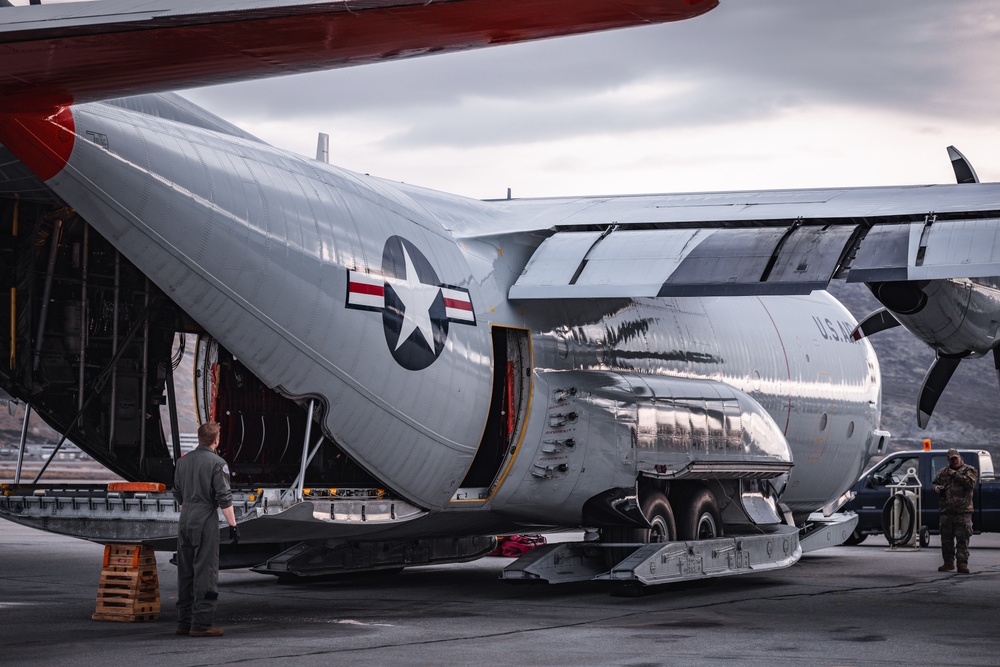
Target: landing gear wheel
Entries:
(656, 508)
(699, 517)
(856, 538)
(924, 537)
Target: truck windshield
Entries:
(893, 470)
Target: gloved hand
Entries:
(234, 534)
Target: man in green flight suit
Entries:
(955, 484)
(201, 488)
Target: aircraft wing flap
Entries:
(811, 255)
(931, 250)
(883, 255)
(556, 262)
(684, 262)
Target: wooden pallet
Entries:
(129, 590)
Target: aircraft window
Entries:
(822, 422)
(850, 430)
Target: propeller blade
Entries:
(964, 173)
(933, 386)
(880, 320)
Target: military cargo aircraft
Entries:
(401, 373)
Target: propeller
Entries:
(880, 320)
(964, 173)
(908, 298)
(932, 387)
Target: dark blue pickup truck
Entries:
(872, 492)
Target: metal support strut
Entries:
(300, 481)
(24, 439)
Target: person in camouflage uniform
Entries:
(955, 484)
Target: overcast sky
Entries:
(755, 94)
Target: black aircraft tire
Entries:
(656, 508)
(698, 516)
(911, 512)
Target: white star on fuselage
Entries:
(417, 298)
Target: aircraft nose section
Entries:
(42, 140)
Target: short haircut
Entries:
(207, 433)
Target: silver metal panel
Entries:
(766, 549)
(555, 262)
(683, 421)
(684, 262)
(959, 249)
(845, 206)
(934, 250)
(770, 548)
(171, 106)
(882, 255)
(828, 531)
(638, 262)
(244, 238)
(810, 256)
(729, 262)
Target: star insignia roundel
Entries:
(416, 308)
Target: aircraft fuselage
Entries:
(388, 306)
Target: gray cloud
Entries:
(743, 60)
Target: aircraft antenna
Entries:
(323, 147)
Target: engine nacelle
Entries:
(957, 318)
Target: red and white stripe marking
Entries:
(365, 290)
(457, 305)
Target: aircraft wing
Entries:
(80, 52)
(768, 242)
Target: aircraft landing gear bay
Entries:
(621, 542)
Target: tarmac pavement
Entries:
(840, 606)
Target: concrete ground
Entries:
(841, 606)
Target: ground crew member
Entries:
(201, 485)
(955, 484)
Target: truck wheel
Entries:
(699, 516)
(856, 538)
(656, 508)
